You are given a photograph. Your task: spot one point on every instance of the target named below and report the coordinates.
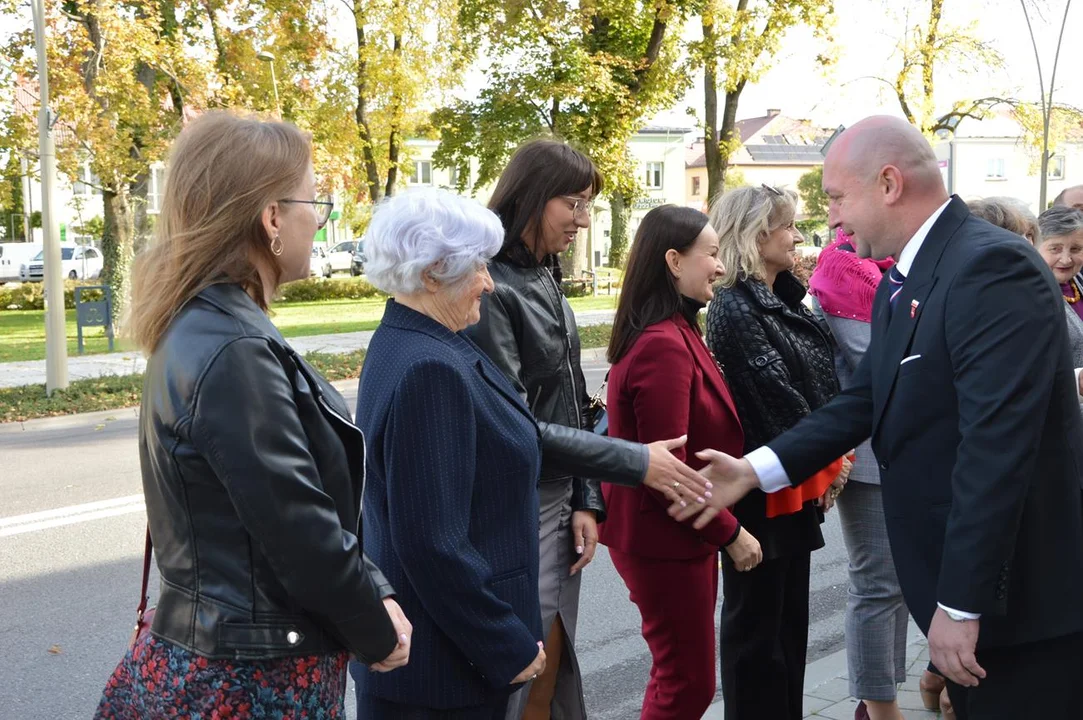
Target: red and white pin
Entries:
(914, 308)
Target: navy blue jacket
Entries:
(450, 511)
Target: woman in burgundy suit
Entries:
(664, 383)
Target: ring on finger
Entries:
(676, 485)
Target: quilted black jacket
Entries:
(778, 360)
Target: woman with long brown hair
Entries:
(664, 382)
(543, 199)
(252, 470)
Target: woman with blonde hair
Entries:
(252, 470)
(778, 361)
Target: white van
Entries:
(79, 262)
(14, 254)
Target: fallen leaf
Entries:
(55, 650)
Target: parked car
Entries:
(320, 264)
(79, 262)
(13, 256)
(357, 263)
(341, 255)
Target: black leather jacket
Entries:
(779, 362)
(529, 331)
(253, 476)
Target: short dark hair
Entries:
(650, 293)
(539, 171)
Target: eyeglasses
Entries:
(580, 205)
(773, 190)
(323, 205)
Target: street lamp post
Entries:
(270, 60)
(56, 344)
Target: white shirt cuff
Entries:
(768, 469)
(1077, 371)
(967, 615)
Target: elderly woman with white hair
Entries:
(453, 459)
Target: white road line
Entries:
(31, 522)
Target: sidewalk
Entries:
(827, 693)
(81, 367)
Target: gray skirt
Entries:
(559, 593)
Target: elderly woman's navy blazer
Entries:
(450, 511)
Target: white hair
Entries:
(428, 228)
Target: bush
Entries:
(804, 267)
(31, 296)
(316, 289)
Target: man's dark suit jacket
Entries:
(968, 393)
(450, 512)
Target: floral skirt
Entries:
(157, 679)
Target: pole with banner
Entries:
(56, 344)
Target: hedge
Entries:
(31, 296)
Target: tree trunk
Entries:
(712, 152)
(368, 154)
(117, 247)
(728, 139)
(620, 210)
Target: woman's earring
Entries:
(276, 245)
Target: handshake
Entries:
(718, 485)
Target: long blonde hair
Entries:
(223, 171)
(743, 218)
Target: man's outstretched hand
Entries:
(731, 479)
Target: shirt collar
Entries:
(910, 250)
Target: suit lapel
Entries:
(496, 380)
(707, 365)
(895, 329)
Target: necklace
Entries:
(1075, 293)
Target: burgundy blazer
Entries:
(665, 386)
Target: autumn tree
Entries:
(737, 47)
(927, 46)
(589, 73)
(408, 55)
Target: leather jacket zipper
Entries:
(559, 309)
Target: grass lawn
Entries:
(114, 392)
(22, 332)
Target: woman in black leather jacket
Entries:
(252, 470)
(779, 362)
(528, 329)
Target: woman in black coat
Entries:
(779, 363)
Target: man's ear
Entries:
(891, 184)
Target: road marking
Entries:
(46, 519)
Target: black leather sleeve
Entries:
(587, 495)
(582, 453)
(382, 585)
(276, 490)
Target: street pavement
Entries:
(71, 542)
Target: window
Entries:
(87, 184)
(1056, 168)
(422, 174)
(654, 176)
(155, 185)
(994, 169)
(695, 186)
(90, 254)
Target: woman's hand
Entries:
(668, 474)
(827, 501)
(401, 654)
(585, 532)
(745, 551)
(532, 670)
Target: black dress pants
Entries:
(764, 638)
(1042, 679)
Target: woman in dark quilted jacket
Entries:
(778, 361)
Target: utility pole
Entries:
(1047, 100)
(56, 342)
